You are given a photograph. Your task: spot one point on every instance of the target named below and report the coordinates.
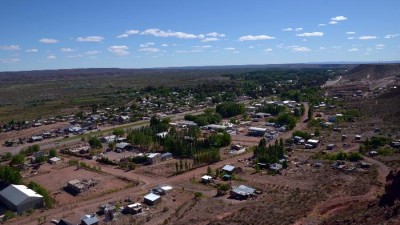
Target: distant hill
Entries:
(373, 71)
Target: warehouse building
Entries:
(20, 198)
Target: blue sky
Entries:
(56, 34)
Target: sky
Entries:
(66, 34)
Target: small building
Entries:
(228, 169)
(257, 131)
(35, 138)
(206, 179)
(133, 208)
(313, 142)
(152, 199)
(78, 186)
(64, 222)
(227, 177)
(89, 220)
(153, 158)
(242, 192)
(330, 146)
(261, 115)
(20, 198)
(166, 156)
(357, 137)
(123, 146)
(216, 127)
(54, 160)
(108, 139)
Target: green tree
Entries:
(119, 132)
(17, 159)
(95, 142)
(53, 153)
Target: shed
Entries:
(330, 146)
(89, 220)
(206, 179)
(242, 192)
(228, 169)
(166, 156)
(257, 131)
(153, 158)
(123, 146)
(152, 199)
(54, 160)
(133, 208)
(20, 198)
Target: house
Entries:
(89, 220)
(242, 192)
(257, 131)
(106, 208)
(20, 198)
(35, 138)
(152, 199)
(123, 146)
(261, 115)
(166, 156)
(206, 179)
(228, 169)
(133, 208)
(153, 158)
(54, 160)
(108, 139)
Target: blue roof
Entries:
(228, 168)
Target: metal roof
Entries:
(229, 168)
(17, 194)
(244, 190)
(152, 197)
(90, 220)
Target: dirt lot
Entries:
(61, 176)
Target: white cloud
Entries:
(67, 49)
(119, 50)
(353, 50)
(123, 36)
(251, 46)
(75, 56)
(90, 39)
(235, 52)
(230, 48)
(255, 38)
(380, 46)
(350, 32)
(10, 47)
(339, 18)
(51, 57)
(389, 36)
(268, 50)
(321, 24)
(14, 60)
(312, 34)
(351, 38)
(131, 32)
(293, 29)
(149, 50)
(300, 49)
(190, 51)
(48, 41)
(203, 46)
(367, 37)
(210, 39)
(215, 34)
(91, 52)
(161, 33)
(333, 22)
(128, 33)
(31, 50)
(322, 48)
(164, 45)
(337, 47)
(146, 45)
